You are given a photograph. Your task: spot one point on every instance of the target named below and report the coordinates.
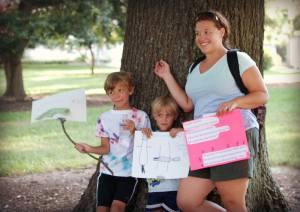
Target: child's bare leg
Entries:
(158, 210)
(102, 209)
(117, 206)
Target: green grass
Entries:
(282, 126)
(52, 78)
(42, 146)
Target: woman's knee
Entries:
(233, 193)
(192, 192)
(186, 203)
(232, 204)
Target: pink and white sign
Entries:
(215, 140)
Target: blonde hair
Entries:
(116, 77)
(164, 102)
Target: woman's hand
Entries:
(147, 132)
(162, 69)
(226, 107)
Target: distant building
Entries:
(293, 51)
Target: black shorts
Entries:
(111, 188)
(165, 200)
(235, 170)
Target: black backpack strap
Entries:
(195, 63)
(233, 63)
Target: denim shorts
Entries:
(235, 170)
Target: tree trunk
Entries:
(88, 198)
(164, 29)
(92, 65)
(14, 78)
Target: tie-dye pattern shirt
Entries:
(109, 125)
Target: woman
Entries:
(210, 87)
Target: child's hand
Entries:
(174, 131)
(147, 132)
(129, 125)
(83, 148)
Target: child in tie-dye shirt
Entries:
(116, 128)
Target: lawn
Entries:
(282, 126)
(28, 148)
(52, 78)
(40, 147)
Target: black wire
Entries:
(62, 121)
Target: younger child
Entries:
(163, 192)
(115, 128)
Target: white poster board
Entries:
(69, 105)
(160, 156)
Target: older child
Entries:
(115, 128)
(162, 192)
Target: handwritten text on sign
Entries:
(216, 140)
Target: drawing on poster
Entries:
(143, 154)
(160, 156)
(215, 140)
(69, 105)
(53, 112)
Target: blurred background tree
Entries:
(280, 26)
(26, 23)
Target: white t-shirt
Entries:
(109, 125)
(217, 85)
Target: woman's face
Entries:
(208, 37)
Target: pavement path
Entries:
(278, 79)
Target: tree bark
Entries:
(11, 57)
(87, 201)
(164, 29)
(14, 78)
